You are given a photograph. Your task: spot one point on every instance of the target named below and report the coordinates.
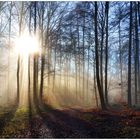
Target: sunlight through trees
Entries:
(68, 56)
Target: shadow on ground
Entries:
(73, 123)
(6, 116)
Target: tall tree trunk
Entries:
(136, 55)
(18, 61)
(106, 52)
(42, 57)
(138, 47)
(120, 56)
(129, 58)
(35, 75)
(102, 47)
(75, 57)
(78, 46)
(83, 56)
(9, 52)
(29, 78)
(103, 105)
(87, 91)
(55, 65)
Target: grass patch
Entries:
(87, 117)
(16, 125)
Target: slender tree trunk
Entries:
(120, 57)
(9, 52)
(83, 57)
(54, 68)
(138, 48)
(42, 75)
(60, 65)
(35, 75)
(136, 55)
(75, 56)
(101, 55)
(42, 57)
(18, 85)
(29, 74)
(78, 45)
(88, 73)
(139, 52)
(106, 52)
(103, 105)
(48, 51)
(18, 61)
(96, 98)
(129, 58)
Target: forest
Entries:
(69, 69)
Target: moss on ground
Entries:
(17, 124)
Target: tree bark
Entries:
(103, 105)
(18, 61)
(106, 52)
(129, 58)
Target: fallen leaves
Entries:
(73, 123)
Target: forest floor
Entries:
(70, 123)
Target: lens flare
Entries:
(26, 44)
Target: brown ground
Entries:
(73, 123)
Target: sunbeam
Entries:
(26, 44)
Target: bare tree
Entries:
(106, 51)
(103, 105)
(129, 58)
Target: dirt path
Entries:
(63, 125)
(72, 123)
(94, 124)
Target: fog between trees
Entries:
(89, 54)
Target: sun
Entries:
(26, 44)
